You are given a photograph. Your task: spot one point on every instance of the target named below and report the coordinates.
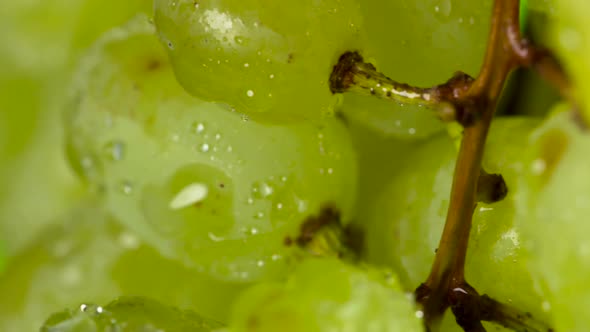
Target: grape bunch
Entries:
(321, 165)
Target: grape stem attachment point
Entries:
(472, 103)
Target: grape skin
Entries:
(327, 295)
(140, 140)
(553, 216)
(91, 256)
(128, 314)
(265, 59)
(571, 40)
(41, 41)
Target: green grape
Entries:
(38, 44)
(206, 187)
(424, 42)
(455, 32)
(92, 257)
(128, 314)
(408, 218)
(572, 42)
(553, 213)
(327, 295)
(390, 119)
(266, 59)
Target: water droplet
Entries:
(444, 8)
(302, 206)
(198, 127)
(538, 166)
(260, 263)
(262, 190)
(92, 309)
(115, 150)
(246, 65)
(215, 238)
(128, 241)
(259, 215)
(189, 195)
(229, 148)
(126, 188)
(250, 93)
(412, 131)
(217, 137)
(204, 147)
(271, 76)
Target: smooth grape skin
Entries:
(128, 314)
(421, 43)
(40, 41)
(92, 257)
(409, 215)
(571, 36)
(554, 214)
(140, 141)
(327, 295)
(268, 59)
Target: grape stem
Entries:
(472, 103)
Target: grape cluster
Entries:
(208, 178)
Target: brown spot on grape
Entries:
(288, 241)
(153, 64)
(554, 143)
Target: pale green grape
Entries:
(424, 42)
(421, 43)
(268, 59)
(91, 257)
(553, 215)
(38, 44)
(207, 187)
(128, 314)
(390, 119)
(571, 36)
(408, 218)
(327, 295)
